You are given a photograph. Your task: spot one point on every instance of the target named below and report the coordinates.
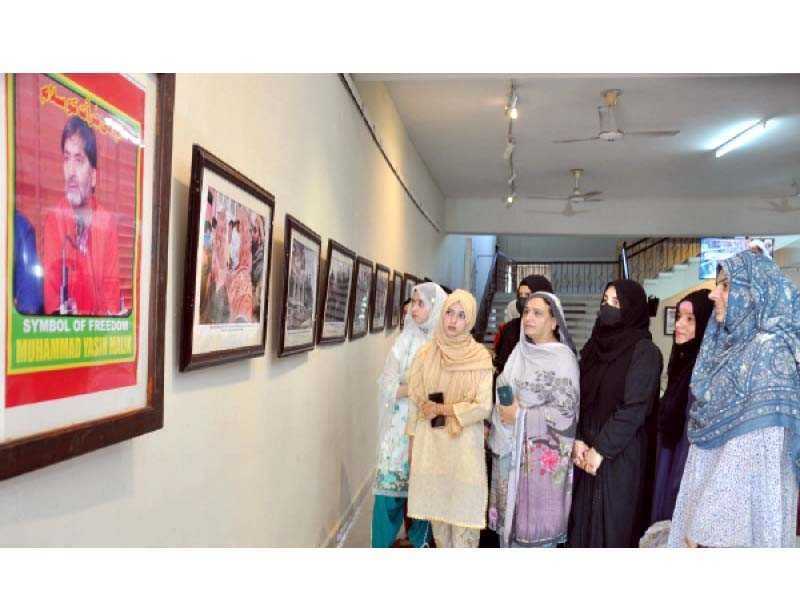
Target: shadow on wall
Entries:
(79, 489)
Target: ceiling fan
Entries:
(609, 131)
(577, 195)
(782, 203)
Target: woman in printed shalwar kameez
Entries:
(739, 485)
(532, 439)
(391, 480)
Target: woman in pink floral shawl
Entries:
(532, 439)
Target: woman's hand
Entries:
(402, 391)
(508, 414)
(593, 460)
(579, 450)
(430, 409)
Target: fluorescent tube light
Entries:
(741, 138)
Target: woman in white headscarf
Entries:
(391, 478)
(532, 438)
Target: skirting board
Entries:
(339, 534)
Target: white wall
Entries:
(623, 218)
(267, 451)
(550, 248)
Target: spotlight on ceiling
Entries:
(511, 105)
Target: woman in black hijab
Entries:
(615, 449)
(509, 337)
(694, 311)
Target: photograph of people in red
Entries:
(232, 273)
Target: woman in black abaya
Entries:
(615, 450)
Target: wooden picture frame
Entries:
(396, 302)
(226, 277)
(360, 298)
(380, 301)
(670, 314)
(71, 422)
(334, 317)
(409, 281)
(299, 310)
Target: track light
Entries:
(509, 200)
(510, 145)
(512, 177)
(511, 106)
(741, 138)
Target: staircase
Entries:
(580, 312)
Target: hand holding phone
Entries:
(438, 398)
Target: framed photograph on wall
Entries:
(88, 161)
(227, 265)
(380, 299)
(670, 314)
(397, 299)
(301, 253)
(362, 291)
(335, 299)
(409, 281)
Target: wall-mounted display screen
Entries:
(713, 250)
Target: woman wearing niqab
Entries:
(739, 486)
(615, 450)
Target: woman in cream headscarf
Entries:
(448, 471)
(391, 476)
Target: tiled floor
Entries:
(359, 534)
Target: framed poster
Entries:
(362, 290)
(88, 162)
(228, 258)
(300, 280)
(380, 299)
(670, 314)
(335, 313)
(397, 300)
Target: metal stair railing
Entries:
(499, 264)
(648, 257)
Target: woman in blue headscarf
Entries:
(739, 486)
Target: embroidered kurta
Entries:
(448, 473)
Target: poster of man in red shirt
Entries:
(75, 156)
(80, 257)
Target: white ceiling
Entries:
(459, 128)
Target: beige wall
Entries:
(267, 451)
